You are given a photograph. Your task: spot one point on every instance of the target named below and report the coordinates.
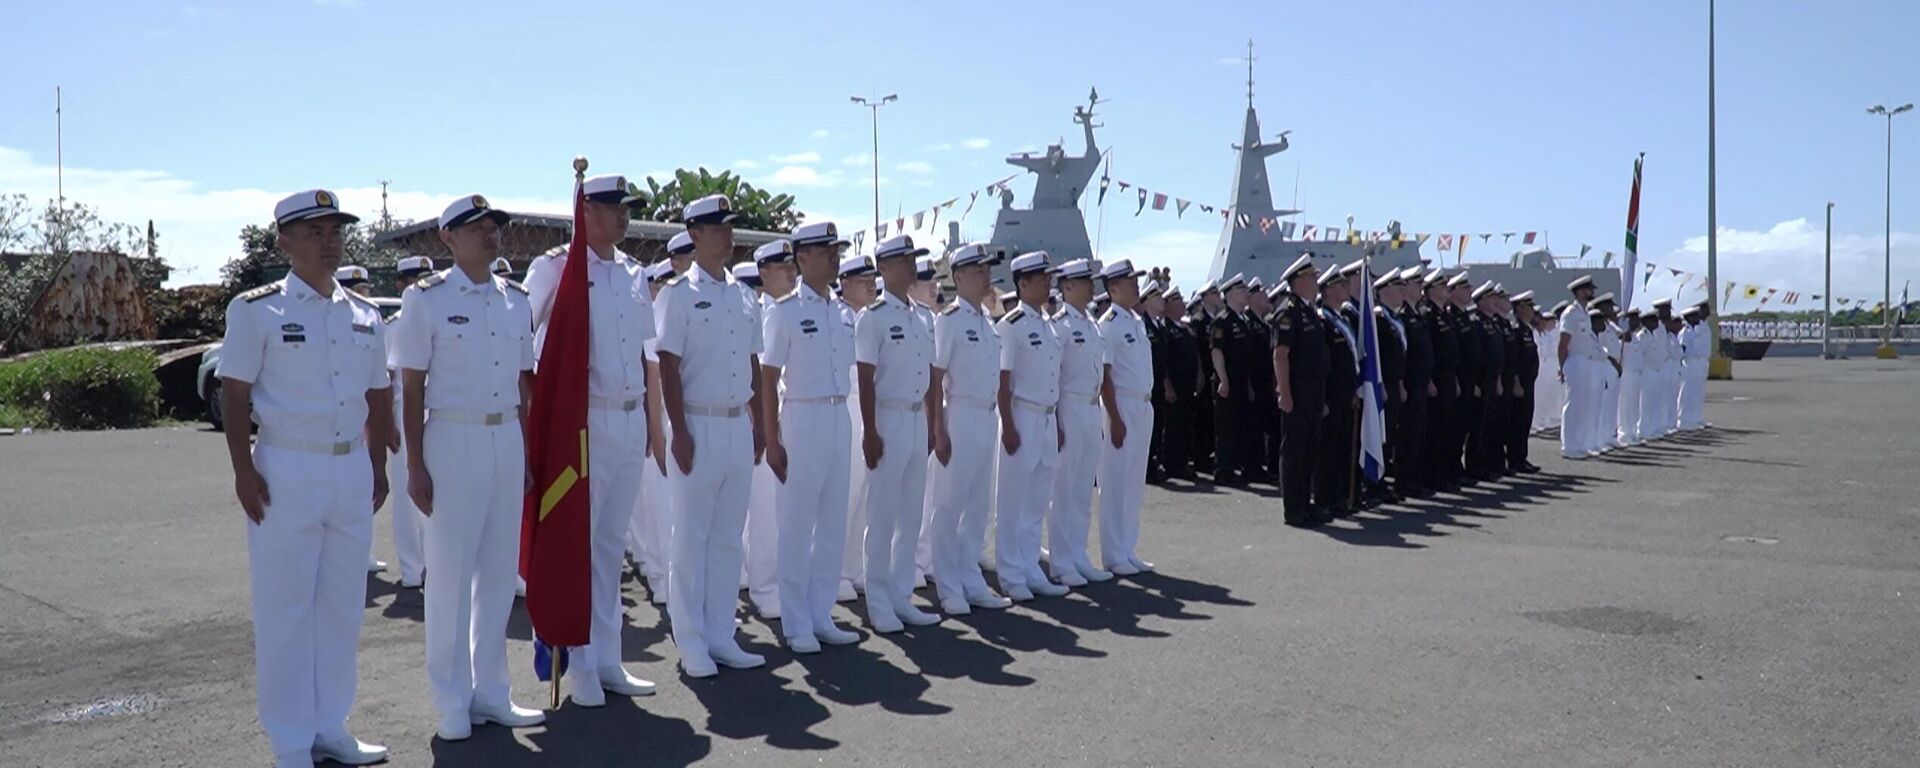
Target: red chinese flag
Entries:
(555, 558)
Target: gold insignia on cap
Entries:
(323, 198)
(479, 202)
(832, 231)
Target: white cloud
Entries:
(820, 134)
(745, 164)
(200, 228)
(802, 176)
(1789, 256)
(859, 159)
(975, 144)
(1187, 252)
(797, 158)
(915, 166)
(948, 146)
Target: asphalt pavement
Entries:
(1735, 597)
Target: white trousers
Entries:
(1123, 485)
(853, 567)
(1583, 401)
(812, 513)
(896, 489)
(1025, 485)
(307, 566)
(651, 529)
(703, 586)
(1070, 513)
(473, 550)
(760, 545)
(616, 455)
(962, 502)
(1607, 418)
(1628, 429)
(409, 526)
(1693, 394)
(1670, 396)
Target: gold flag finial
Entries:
(579, 167)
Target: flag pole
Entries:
(555, 660)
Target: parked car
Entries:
(209, 385)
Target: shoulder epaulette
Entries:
(677, 279)
(514, 284)
(878, 302)
(364, 301)
(951, 308)
(1014, 316)
(261, 292)
(789, 297)
(431, 280)
(1057, 314)
(1109, 314)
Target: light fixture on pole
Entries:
(874, 105)
(1719, 366)
(1886, 350)
(1826, 316)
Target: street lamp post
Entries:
(874, 105)
(1886, 350)
(1719, 366)
(1826, 295)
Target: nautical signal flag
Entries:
(1446, 242)
(1529, 238)
(555, 558)
(1750, 292)
(1159, 201)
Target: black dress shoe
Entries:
(1526, 468)
(1303, 522)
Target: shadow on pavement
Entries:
(583, 737)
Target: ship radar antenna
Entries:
(1250, 60)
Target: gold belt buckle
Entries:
(495, 419)
(630, 404)
(342, 449)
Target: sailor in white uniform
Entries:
(621, 320)
(1082, 362)
(1126, 386)
(1633, 363)
(966, 380)
(709, 363)
(1696, 342)
(1579, 357)
(859, 286)
(806, 376)
(925, 293)
(305, 360)
(465, 354)
(1030, 437)
(354, 278)
(893, 352)
(770, 276)
(409, 526)
(1607, 417)
(650, 535)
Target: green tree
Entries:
(261, 261)
(758, 208)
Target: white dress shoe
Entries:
(807, 644)
(846, 593)
(915, 617)
(1017, 592)
(884, 623)
(1071, 578)
(585, 691)
(736, 658)
(700, 667)
(989, 601)
(1046, 588)
(511, 716)
(1096, 574)
(519, 587)
(1125, 569)
(412, 582)
(1141, 565)
(1572, 455)
(832, 635)
(616, 680)
(767, 608)
(954, 606)
(348, 750)
(455, 727)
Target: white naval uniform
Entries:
(473, 340)
(814, 352)
(1070, 511)
(923, 550)
(760, 547)
(1123, 470)
(1607, 418)
(967, 349)
(710, 325)
(893, 336)
(409, 526)
(1549, 393)
(311, 360)
(1696, 343)
(1584, 356)
(1030, 350)
(853, 566)
(651, 529)
(1665, 394)
(1633, 366)
(621, 320)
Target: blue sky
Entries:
(1471, 116)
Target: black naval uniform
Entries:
(1523, 355)
(1181, 399)
(1202, 435)
(1490, 438)
(1465, 419)
(1409, 443)
(1298, 326)
(1156, 443)
(1228, 337)
(1441, 464)
(1336, 430)
(1393, 379)
(1258, 457)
